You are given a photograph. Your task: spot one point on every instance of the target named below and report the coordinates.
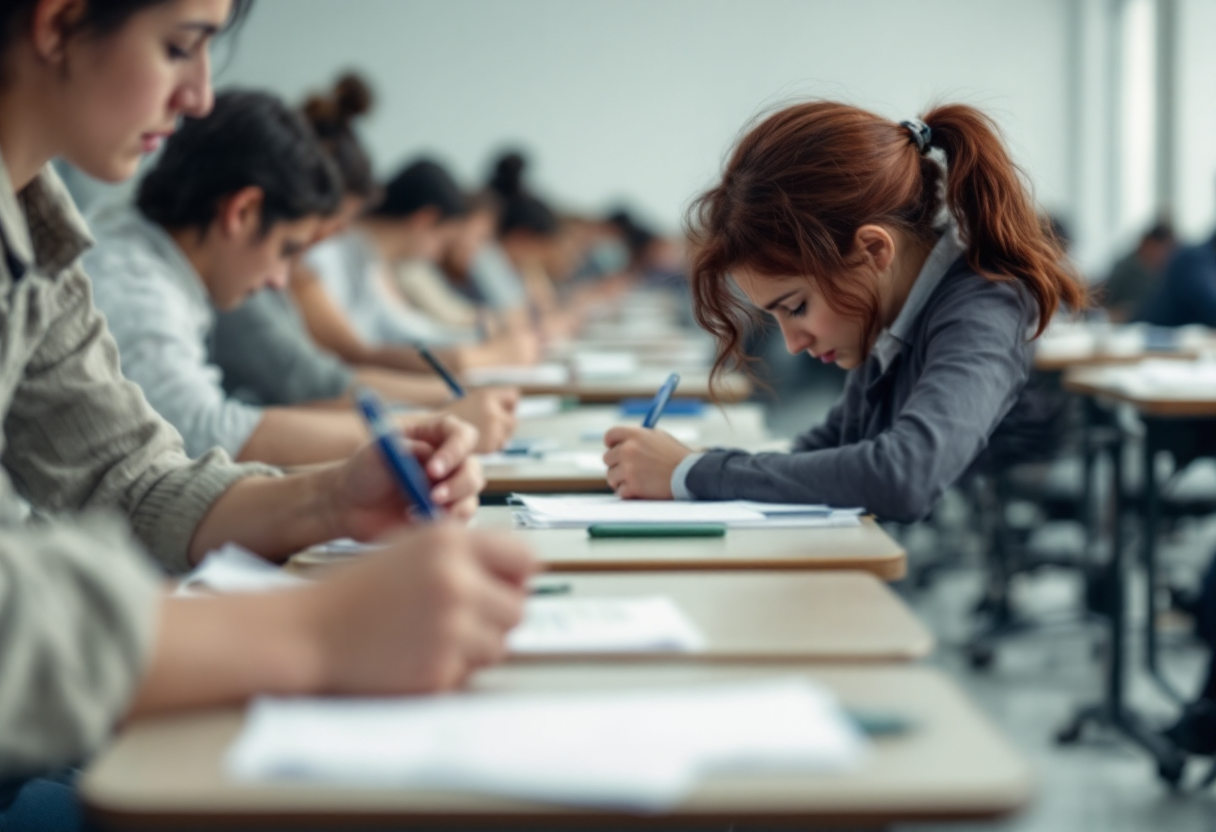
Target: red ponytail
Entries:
(800, 184)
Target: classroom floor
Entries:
(1039, 679)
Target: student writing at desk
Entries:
(235, 198)
(89, 638)
(263, 347)
(829, 218)
(343, 291)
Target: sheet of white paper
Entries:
(597, 508)
(591, 365)
(583, 460)
(233, 569)
(573, 511)
(640, 749)
(604, 625)
(1184, 380)
(536, 407)
(541, 375)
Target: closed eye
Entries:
(797, 312)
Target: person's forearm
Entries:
(301, 436)
(274, 517)
(222, 650)
(405, 388)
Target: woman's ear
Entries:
(240, 214)
(876, 245)
(52, 25)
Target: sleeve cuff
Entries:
(679, 486)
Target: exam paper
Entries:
(1189, 380)
(536, 407)
(640, 749)
(604, 625)
(234, 569)
(574, 511)
(540, 375)
(583, 460)
(596, 365)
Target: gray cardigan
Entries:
(908, 427)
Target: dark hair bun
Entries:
(508, 176)
(331, 114)
(353, 96)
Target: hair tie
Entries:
(922, 135)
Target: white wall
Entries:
(640, 99)
(1195, 144)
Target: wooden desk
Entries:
(167, 772)
(770, 615)
(732, 388)
(738, 425)
(1171, 418)
(866, 547)
(1105, 383)
(1076, 345)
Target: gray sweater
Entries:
(912, 420)
(267, 356)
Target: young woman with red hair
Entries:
(907, 253)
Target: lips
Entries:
(828, 357)
(152, 141)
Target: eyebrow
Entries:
(775, 303)
(206, 28)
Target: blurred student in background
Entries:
(342, 287)
(233, 201)
(529, 235)
(476, 266)
(828, 218)
(1136, 277)
(1186, 292)
(263, 348)
(90, 636)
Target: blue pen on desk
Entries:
(402, 463)
(661, 399)
(441, 371)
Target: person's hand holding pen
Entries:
(641, 460)
(368, 499)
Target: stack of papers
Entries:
(577, 511)
(604, 625)
(641, 749)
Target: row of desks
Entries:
(768, 602)
(1111, 367)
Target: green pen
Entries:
(657, 530)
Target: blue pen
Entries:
(441, 371)
(661, 399)
(401, 461)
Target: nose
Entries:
(277, 279)
(195, 97)
(796, 341)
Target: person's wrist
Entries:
(325, 510)
(303, 628)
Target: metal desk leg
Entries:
(1151, 519)
(1114, 712)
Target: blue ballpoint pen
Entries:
(441, 371)
(661, 399)
(402, 463)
